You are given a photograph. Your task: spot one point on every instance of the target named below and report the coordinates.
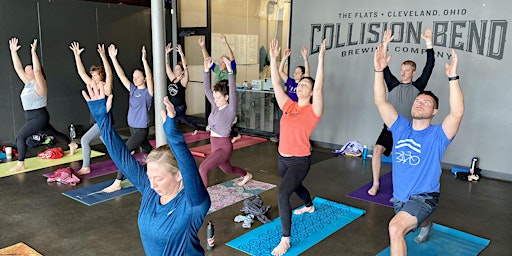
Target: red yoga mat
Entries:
(189, 138)
(245, 141)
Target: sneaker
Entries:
(208, 128)
(424, 231)
(274, 139)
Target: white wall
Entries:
(485, 74)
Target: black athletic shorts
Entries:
(386, 140)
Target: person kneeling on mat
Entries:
(416, 176)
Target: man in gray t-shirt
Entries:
(401, 94)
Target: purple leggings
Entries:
(222, 149)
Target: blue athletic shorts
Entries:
(420, 206)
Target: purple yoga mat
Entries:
(382, 198)
(103, 168)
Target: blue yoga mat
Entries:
(444, 241)
(92, 195)
(307, 229)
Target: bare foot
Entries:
(20, 166)
(195, 132)
(247, 178)
(374, 189)
(114, 187)
(234, 139)
(84, 171)
(282, 247)
(72, 147)
(302, 210)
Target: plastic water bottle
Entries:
(365, 152)
(72, 132)
(473, 164)
(210, 236)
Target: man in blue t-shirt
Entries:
(419, 147)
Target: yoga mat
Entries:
(228, 193)
(92, 195)
(19, 249)
(245, 141)
(457, 169)
(103, 167)
(36, 163)
(387, 159)
(189, 138)
(443, 241)
(382, 198)
(307, 229)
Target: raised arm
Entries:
(184, 80)
(304, 52)
(225, 41)
(40, 86)
(147, 70)
(208, 62)
(282, 73)
(386, 110)
(233, 97)
(112, 52)
(451, 123)
(279, 92)
(168, 68)
(109, 78)
(389, 78)
(75, 47)
(422, 81)
(192, 182)
(318, 98)
(201, 43)
(116, 147)
(16, 62)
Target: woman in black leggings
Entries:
(299, 120)
(33, 99)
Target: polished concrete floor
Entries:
(36, 213)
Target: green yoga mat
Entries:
(36, 163)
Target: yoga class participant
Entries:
(176, 89)
(401, 95)
(174, 201)
(34, 101)
(421, 145)
(141, 96)
(99, 74)
(297, 123)
(224, 103)
(222, 73)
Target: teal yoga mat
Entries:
(92, 195)
(443, 241)
(307, 229)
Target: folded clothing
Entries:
(65, 176)
(51, 153)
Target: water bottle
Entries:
(365, 152)
(210, 236)
(473, 165)
(72, 132)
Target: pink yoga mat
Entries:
(245, 141)
(189, 138)
(103, 167)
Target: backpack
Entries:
(39, 139)
(351, 148)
